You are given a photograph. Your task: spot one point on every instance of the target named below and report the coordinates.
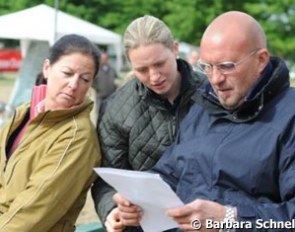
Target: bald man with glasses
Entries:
(233, 164)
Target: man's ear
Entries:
(263, 59)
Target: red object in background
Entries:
(10, 60)
(38, 94)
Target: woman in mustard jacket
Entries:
(49, 147)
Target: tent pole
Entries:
(56, 6)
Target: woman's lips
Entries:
(159, 85)
(67, 96)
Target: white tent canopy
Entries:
(37, 28)
(42, 23)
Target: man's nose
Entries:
(216, 76)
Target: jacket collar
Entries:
(46, 117)
(52, 116)
(274, 79)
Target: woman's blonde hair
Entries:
(147, 30)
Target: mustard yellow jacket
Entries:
(43, 185)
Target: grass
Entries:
(5, 79)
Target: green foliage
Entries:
(186, 18)
(5, 79)
(278, 21)
(7, 7)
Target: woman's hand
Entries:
(113, 222)
(129, 213)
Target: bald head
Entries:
(234, 38)
(235, 30)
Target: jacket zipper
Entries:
(6, 140)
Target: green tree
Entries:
(7, 7)
(186, 18)
(278, 20)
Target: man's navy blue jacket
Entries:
(244, 158)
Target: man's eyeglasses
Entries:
(225, 67)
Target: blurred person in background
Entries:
(104, 84)
(141, 119)
(192, 58)
(49, 147)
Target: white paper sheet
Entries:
(147, 190)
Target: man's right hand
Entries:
(129, 213)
